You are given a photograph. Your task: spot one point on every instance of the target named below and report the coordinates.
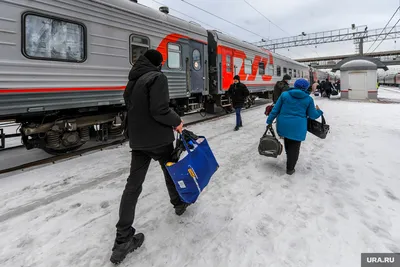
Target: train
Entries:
(318, 75)
(64, 66)
(391, 79)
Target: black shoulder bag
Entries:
(319, 129)
(269, 145)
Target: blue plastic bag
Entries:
(192, 173)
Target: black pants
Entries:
(292, 148)
(139, 166)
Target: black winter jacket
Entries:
(150, 120)
(238, 92)
(279, 88)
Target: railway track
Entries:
(80, 152)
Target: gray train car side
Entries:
(70, 59)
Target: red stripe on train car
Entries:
(60, 90)
(172, 38)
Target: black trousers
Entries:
(139, 167)
(292, 148)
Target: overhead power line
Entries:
(270, 21)
(265, 16)
(386, 35)
(384, 28)
(188, 16)
(223, 19)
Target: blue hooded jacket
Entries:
(291, 110)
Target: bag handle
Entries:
(180, 136)
(185, 143)
(323, 120)
(271, 131)
(322, 117)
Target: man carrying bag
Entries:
(149, 125)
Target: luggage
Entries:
(192, 173)
(269, 145)
(338, 96)
(268, 109)
(319, 129)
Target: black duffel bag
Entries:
(319, 129)
(269, 145)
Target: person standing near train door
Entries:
(238, 93)
(150, 124)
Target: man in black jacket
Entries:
(280, 87)
(328, 88)
(238, 93)
(150, 124)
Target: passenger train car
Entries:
(318, 75)
(259, 69)
(64, 66)
(391, 79)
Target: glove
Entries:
(269, 126)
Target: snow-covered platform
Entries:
(344, 199)
(389, 94)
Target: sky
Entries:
(292, 16)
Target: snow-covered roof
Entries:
(359, 64)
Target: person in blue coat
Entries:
(292, 110)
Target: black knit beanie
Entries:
(154, 57)
(236, 78)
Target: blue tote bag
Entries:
(192, 173)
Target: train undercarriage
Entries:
(60, 132)
(63, 131)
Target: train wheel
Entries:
(57, 152)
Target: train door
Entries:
(228, 69)
(197, 67)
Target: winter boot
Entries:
(236, 128)
(120, 250)
(290, 172)
(181, 208)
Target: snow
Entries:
(344, 199)
(389, 94)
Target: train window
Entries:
(278, 71)
(261, 68)
(228, 63)
(196, 57)
(290, 72)
(271, 70)
(294, 73)
(284, 70)
(174, 56)
(139, 46)
(51, 38)
(247, 66)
